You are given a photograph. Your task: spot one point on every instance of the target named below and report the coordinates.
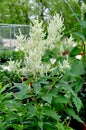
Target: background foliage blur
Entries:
(23, 11)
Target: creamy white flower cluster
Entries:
(34, 48)
(36, 45)
(64, 65)
(55, 29)
(13, 66)
(55, 36)
(67, 44)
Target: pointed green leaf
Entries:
(51, 113)
(4, 88)
(61, 99)
(37, 88)
(72, 113)
(77, 103)
(40, 124)
(47, 98)
(23, 93)
(77, 68)
(75, 51)
(78, 85)
(79, 35)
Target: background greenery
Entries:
(23, 11)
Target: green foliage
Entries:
(75, 51)
(17, 55)
(22, 11)
(14, 11)
(6, 55)
(51, 101)
(78, 68)
(43, 105)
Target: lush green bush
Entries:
(7, 55)
(17, 55)
(48, 103)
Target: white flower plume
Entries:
(36, 45)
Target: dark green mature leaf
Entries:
(48, 126)
(75, 51)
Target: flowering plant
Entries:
(50, 90)
(36, 46)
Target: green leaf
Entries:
(72, 113)
(48, 126)
(4, 88)
(53, 92)
(77, 103)
(78, 85)
(40, 124)
(83, 26)
(69, 88)
(51, 113)
(61, 99)
(37, 88)
(58, 106)
(47, 98)
(77, 68)
(31, 109)
(75, 51)
(0, 85)
(79, 35)
(17, 126)
(60, 126)
(23, 93)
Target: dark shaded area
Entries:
(76, 125)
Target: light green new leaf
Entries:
(72, 113)
(77, 103)
(78, 85)
(40, 124)
(4, 88)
